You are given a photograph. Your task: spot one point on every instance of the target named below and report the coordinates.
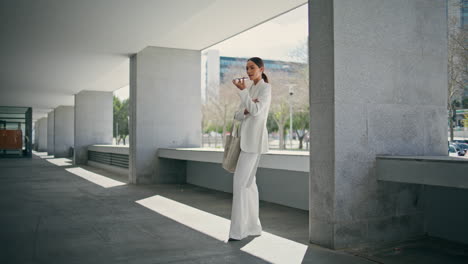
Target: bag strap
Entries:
(237, 128)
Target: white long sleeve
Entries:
(239, 115)
(255, 108)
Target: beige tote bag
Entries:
(232, 149)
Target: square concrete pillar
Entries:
(28, 132)
(93, 122)
(42, 134)
(36, 134)
(378, 85)
(64, 131)
(165, 111)
(50, 133)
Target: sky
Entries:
(274, 39)
(123, 93)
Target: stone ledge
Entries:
(427, 158)
(431, 170)
(281, 160)
(117, 149)
(275, 159)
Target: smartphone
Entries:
(240, 79)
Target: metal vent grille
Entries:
(118, 160)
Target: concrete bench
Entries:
(428, 170)
(281, 160)
(110, 157)
(282, 176)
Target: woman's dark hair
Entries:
(259, 62)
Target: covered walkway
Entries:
(377, 87)
(53, 212)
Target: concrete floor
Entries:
(50, 215)
(426, 250)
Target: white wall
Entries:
(93, 122)
(42, 135)
(165, 109)
(64, 130)
(50, 133)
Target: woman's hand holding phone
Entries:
(239, 83)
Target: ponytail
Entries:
(264, 77)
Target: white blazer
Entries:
(254, 134)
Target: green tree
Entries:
(280, 114)
(301, 112)
(301, 125)
(465, 120)
(280, 111)
(117, 104)
(457, 55)
(271, 124)
(121, 129)
(465, 103)
(221, 103)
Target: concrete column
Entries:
(36, 134)
(50, 133)
(42, 134)
(64, 131)
(165, 111)
(28, 132)
(93, 122)
(378, 85)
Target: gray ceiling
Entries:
(52, 49)
(12, 114)
(13, 110)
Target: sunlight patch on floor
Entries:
(276, 249)
(61, 162)
(95, 178)
(42, 155)
(209, 224)
(269, 247)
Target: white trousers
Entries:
(244, 215)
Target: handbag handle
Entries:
(237, 129)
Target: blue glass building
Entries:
(270, 65)
(464, 13)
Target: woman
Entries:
(253, 113)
